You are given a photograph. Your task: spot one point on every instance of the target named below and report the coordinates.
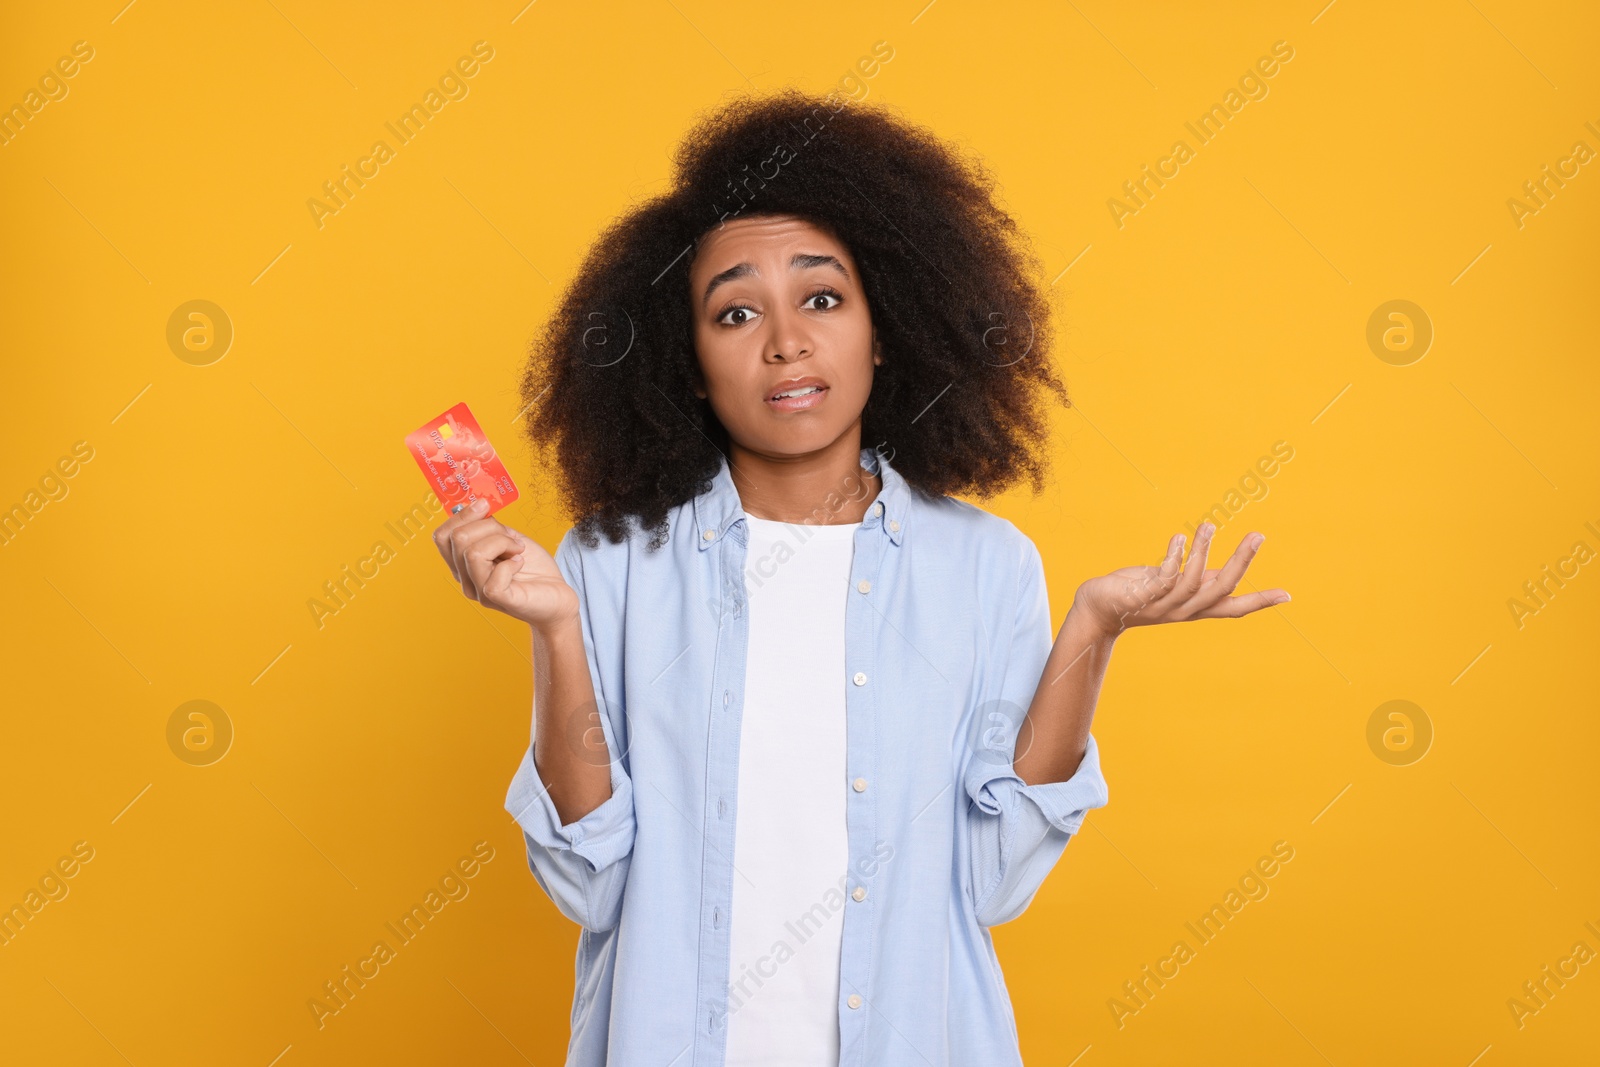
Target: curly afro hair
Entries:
(951, 283)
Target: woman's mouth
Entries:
(798, 397)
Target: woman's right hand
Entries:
(504, 569)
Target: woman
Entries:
(801, 735)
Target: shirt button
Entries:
(895, 526)
(709, 534)
(860, 678)
(854, 1001)
(860, 785)
(860, 892)
(877, 509)
(864, 585)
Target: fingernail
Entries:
(480, 505)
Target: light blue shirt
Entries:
(947, 629)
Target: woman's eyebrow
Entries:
(800, 261)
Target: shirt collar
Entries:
(717, 509)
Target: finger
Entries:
(443, 535)
(484, 553)
(1224, 581)
(489, 542)
(524, 542)
(499, 579)
(474, 556)
(475, 530)
(1188, 583)
(446, 532)
(1194, 568)
(1234, 607)
(461, 548)
(456, 519)
(1170, 562)
(460, 544)
(1150, 587)
(1171, 566)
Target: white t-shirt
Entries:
(791, 850)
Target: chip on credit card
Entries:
(460, 463)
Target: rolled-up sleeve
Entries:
(582, 866)
(1016, 832)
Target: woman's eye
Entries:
(745, 314)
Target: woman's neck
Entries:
(823, 488)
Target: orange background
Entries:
(1229, 313)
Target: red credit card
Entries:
(460, 463)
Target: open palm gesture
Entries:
(1144, 596)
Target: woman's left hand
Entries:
(1144, 596)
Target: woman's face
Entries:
(778, 305)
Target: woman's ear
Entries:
(877, 350)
